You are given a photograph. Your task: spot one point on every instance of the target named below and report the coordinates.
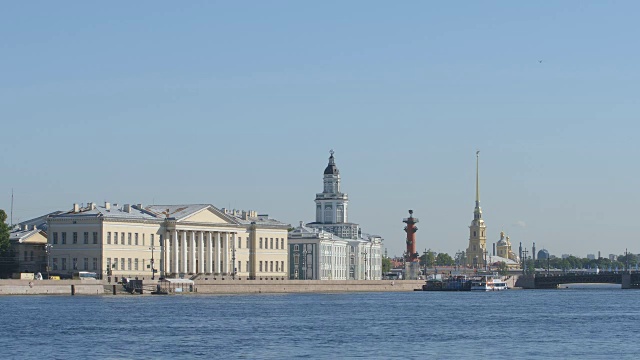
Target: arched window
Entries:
(474, 234)
(328, 215)
(340, 214)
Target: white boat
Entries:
(488, 283)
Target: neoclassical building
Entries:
(477, 249)
(172, 240)
(332, 248)
(503, 248)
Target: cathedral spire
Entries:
(478, 179)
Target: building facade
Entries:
(343, 251)
(167, 241)
(28, 244)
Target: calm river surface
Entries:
(589, 322)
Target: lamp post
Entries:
(304, 262)
(486, 267)
(153, 270)
(47, 249)
(233, 258)
(425, 263)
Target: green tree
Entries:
(386, 264)
(429, 258)
(444, 259)
(7, 261)
(503, 269)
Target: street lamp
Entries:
(47, 249)
(365, 264)
(153, 270)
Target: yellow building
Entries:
(477, 249)
(28, 244)
(503, 248)
(176, 240)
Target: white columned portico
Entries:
(225, 254)
(183, 265)
(192, 253)
(175, 253)
(209, 253)
(162, 254)
(218, 253)
(201, 253)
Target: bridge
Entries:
(551, 281)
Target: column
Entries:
(183, 265)
(225, 254)
(201, 253)
(175, 254)
(162, 255)
(218, 253)
(209, 253)
(192, 253)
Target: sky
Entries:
(237, 104)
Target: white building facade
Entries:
(361, 257)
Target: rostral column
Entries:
(411, 255)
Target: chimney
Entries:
(91, 205)
(25, 227)
(107, 206)
(76, 208)
(494, 249)
(127, 208)
(33, 227)
(139, 206)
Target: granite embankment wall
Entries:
(303, 286)
(51, 287)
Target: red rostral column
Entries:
(411, 255)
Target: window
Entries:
(115, 238)
(122, 263)
(95, 237)
(75, 263)
(55, 238)
(75, 237)
(247, 242)
(247, 267)
(271, 243)
(109, 238)
(277, 243)
(296, 259)
(64, 238)
(129, 241)
(108, 263)
(282, 243)
(122, 239)
(271, 266)
(152, 241)
(260, 266)
(277, 269)
(55, 263)
(129, 263)
(136, 239)
(239, 266)
(85, 238)
(260, 245)
(282, 266)
(64, 263)
(474, 233)
(26, 256)
(296, 248)
(86, 264)
(136, 264)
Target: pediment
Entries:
(207, 215)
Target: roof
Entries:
(20, 235)
(331, 169)
(303, 232)
(495, 259)
(179, 212)
(114, 212)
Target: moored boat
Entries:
(488, 283)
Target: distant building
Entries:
(477, 249)
(613, 257)
(503, 248)
(564, 256)
(177, 240)
(28, 244)
(591, 256)
(363, 251)
(543, 254)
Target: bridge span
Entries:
(552, 281)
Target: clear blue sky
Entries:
(238, 103)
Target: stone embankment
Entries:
(51, 287)
(227, 286)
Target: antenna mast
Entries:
(11, 221)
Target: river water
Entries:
(583, 322)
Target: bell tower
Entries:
(476, 256)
